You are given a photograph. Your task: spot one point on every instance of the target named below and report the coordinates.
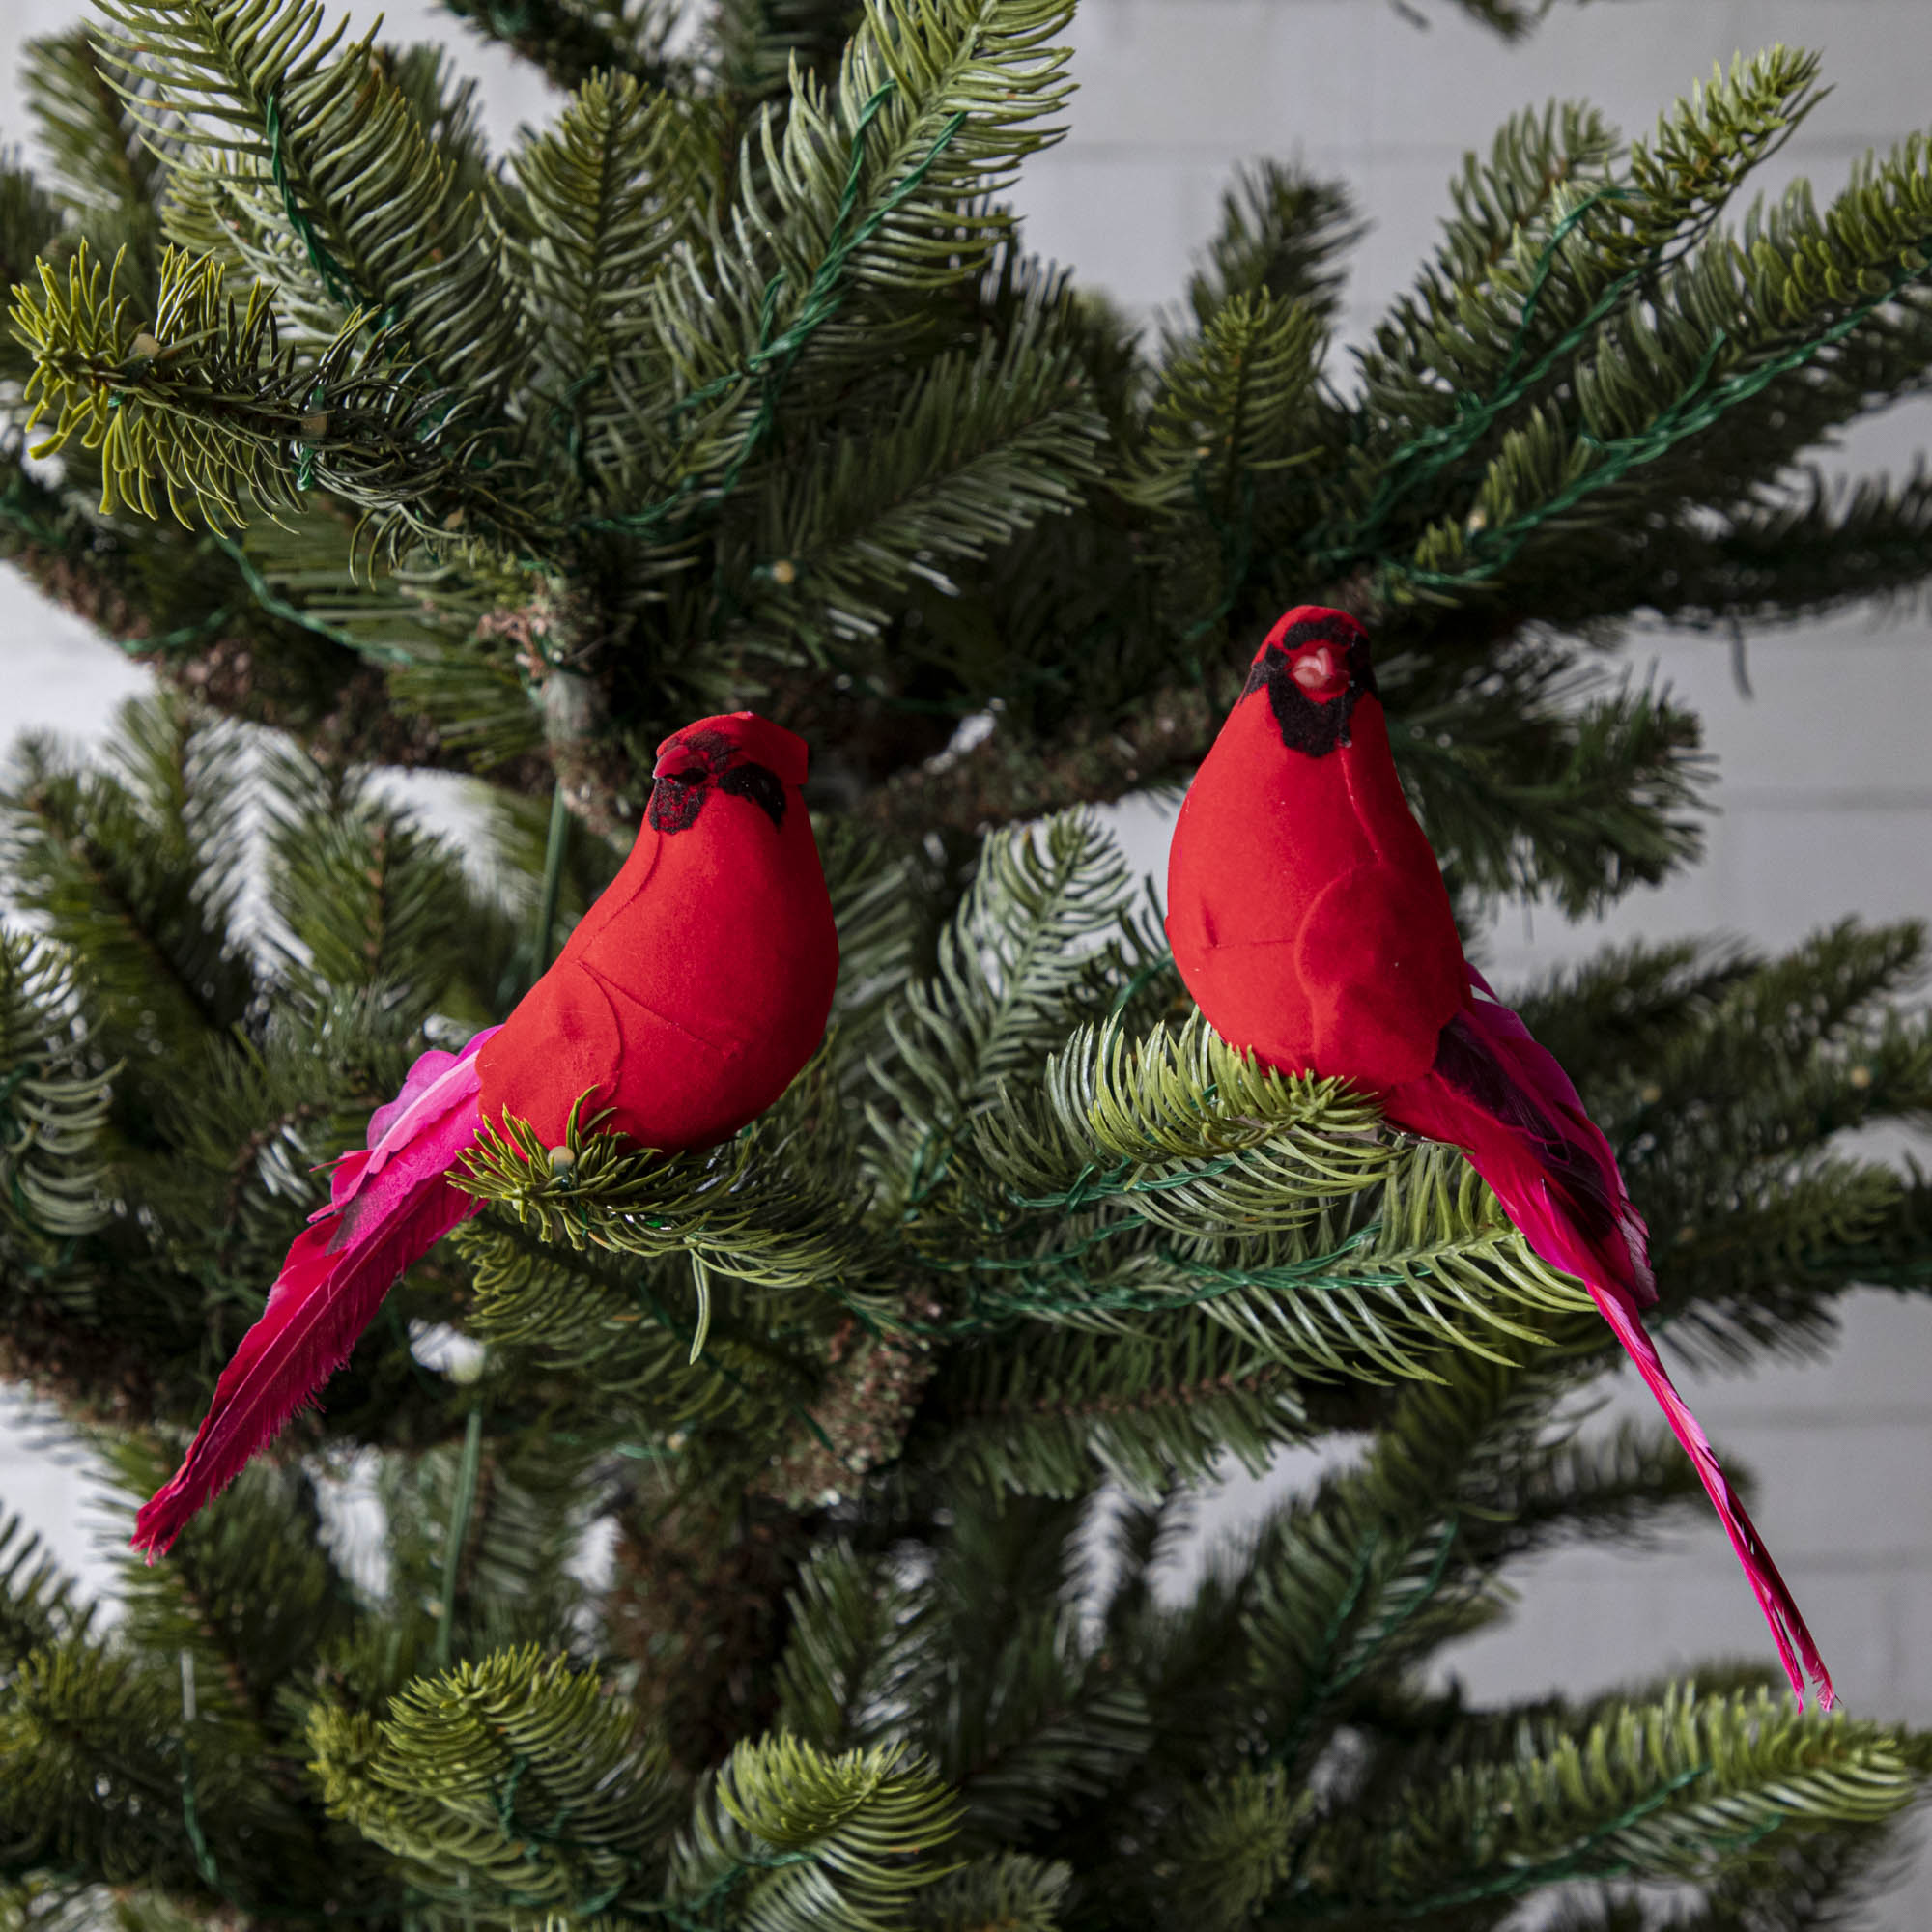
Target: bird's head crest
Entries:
(737, 752)
(1315, 668)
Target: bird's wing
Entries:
(561, 1043)
(1383, 973)
(1495, 1090)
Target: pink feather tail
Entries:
(389, 1203)
(1506, 1100)
(1795, 1643)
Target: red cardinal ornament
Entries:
(1309, 918)
(686, 1000)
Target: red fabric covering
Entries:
(1305, 908)
(697, 986)
(1310, 921)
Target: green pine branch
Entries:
(751, 47)
(250, 1598)
(1017, 1706)
(1008, 1890)
(607, 195)
(973, 450)
(1234, 405)
(135, 872)
(368, 905)
(39, 1605)
(30, 225)
(94, 137)
(52, 1107)
(105, 169)
(1331, 1603)
(575, 41)
(1505, 310)
(787, 1836)
(1723, 328)
(673, 1357)
(208, 405)
(92, 1785)
(854, 1638)
(1658, 1787)
(446, 110)
(1533, 777)
(882, 185)
(503, 1786)
(1049, 1415)
(1283, 234)
(302, 163)
(1816, 547)
(1017, 961)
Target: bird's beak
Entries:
(1315, 670)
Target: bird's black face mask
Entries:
(1310, 721)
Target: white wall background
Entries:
(1826, 793)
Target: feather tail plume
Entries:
(1507, 1101)
(1796, 1646)
(390, 1203)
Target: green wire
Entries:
(278, 605)
(325, 265)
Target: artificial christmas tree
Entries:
(734, 388)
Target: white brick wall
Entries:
(1825, 791)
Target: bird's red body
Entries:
(1309, 918)
(697, 986)
(1305, 907)
(685, 1003)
